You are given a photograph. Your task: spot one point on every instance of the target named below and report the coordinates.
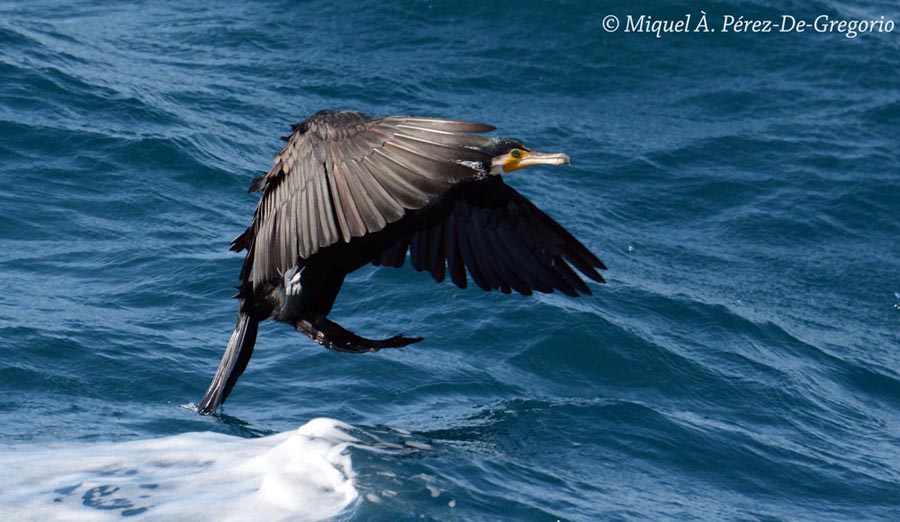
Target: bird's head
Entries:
(508, 155)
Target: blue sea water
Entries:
(741, 363)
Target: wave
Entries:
(305, 474)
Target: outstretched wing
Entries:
(342, 175)
(502, 240)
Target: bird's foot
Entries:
(335, 337)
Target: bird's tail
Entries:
(234, 362)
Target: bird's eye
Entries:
(516, 153)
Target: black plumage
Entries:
(347, 190)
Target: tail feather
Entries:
(233, 364)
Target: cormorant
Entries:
(347, 190)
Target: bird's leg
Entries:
(335, 337)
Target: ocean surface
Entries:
(741, 363)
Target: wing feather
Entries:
(420, 181)
(368, 210)
(503, 241)
(440, 150)
(385, 204)
(463, 231)
(340, 214)
(436, 254)
(406, 194)
(311, 230)
(356, 225)
(441, 125)
(342, 175)
(455, 264)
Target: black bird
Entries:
(348, 190)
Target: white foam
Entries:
(299, 475)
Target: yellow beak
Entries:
(530, 159)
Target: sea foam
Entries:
(304, 474)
